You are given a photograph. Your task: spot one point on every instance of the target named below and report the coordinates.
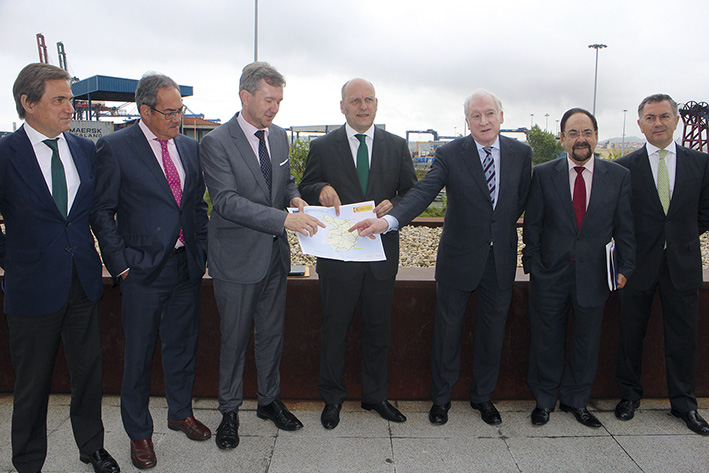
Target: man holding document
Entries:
(576, 206)
(355, 163)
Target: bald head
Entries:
(359, 104)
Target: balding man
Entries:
(355, 163)
(487, 177)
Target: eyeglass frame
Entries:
(587, 133)
(170, 115)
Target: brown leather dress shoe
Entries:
(193, 428)
(142, 454)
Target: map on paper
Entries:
(334, 241)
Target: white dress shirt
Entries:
(670, 160)
(586, 174)
(253, 140)
(354, 142)
(43, 153)
(157, 151)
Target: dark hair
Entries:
(31, 82)
(146, 93)
(252, 74)
(657, 98)
(574, 111)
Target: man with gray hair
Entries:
(52, 281)
(246, 168)
(487, 178)
(150, 219)
(670, 203)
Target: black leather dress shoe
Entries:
(488, 412)
(330, 416)
(228, 431)
(279, 414)
(582, 415)
(694, 421)
(439, 414)
(540, 415)
(386, 410)
(102, 461)
(625, 409)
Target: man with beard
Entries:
(576, 206)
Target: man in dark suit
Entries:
(576, 206)
(670, 202)
(355, 163)
(487, 179)
(52, 280)
(150, 219)
(247, 171)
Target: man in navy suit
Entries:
(150, 219)
(52, 280)
(486, 176)
(333, 175)
(576, 206)
(671, 210)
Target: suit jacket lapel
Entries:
(471, 158)
(563, 188)
(187, 166)
(25, 161)
(246, 153)
(504, 176)
(682, 174)
(644, 176)
(83, 168)
(344, 154)
(599, 184)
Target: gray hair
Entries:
(478, 94)
(146, 93)
(253, 73)
(31, 82)
(657, 98)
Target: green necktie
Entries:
(58, 178)
(362, 162)
(663, 181)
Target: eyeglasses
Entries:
(170, 115)
(575, 133)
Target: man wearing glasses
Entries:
(576, 206)
(150, 219)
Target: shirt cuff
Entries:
(393, 223)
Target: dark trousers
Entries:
(168, 307)
(679, 315)
(339, 303)
(240, 306)
(549, 318)
(492, 304)
(34, 341)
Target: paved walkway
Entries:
(363, 442)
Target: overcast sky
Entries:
(423, 57)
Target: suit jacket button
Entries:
(68, 249)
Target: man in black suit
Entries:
(150, 219)
(576, 206)
(52, 280)
(670, 202)
(355, 163)
(487, 179)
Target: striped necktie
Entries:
(489, 170)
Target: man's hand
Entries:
(329, 198)
(298, 202)
(306, 225)
(370, 227)
(621, 281)
(383, 208)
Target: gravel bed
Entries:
(418, 246)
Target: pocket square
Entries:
(284, 162)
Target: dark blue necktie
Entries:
(264, 159)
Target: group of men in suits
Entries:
(141, 190)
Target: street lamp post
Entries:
(596, 46)
(622, 146)
(532, 121)
(256, 30)
(546, 122)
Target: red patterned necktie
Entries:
(579, 196)
(173, 178)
